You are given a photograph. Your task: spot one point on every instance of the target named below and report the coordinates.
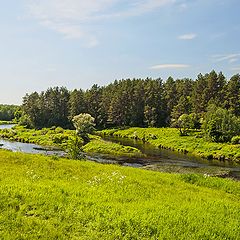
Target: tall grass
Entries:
(53, 198)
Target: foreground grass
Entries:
(169, 138)
(49, 198)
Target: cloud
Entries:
(236, 69)
(188, 36)
(234, 57)
(165, 66)
(72, 18)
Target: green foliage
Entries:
(235, 140)
(84, 124)
(25, 121)
(220, 125)
(74, 149)
(48, 108)
(7, 112)
(184, 124)
(232, 99)
(53, 137)
(44, 198)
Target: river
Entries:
(154, 159)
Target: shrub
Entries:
(235, 140)
(220, 125)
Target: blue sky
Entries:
(76, 43)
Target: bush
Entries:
(235, 140)
(220, 125)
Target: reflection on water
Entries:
(169, 161)
(28, 148)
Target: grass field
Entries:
(169, 138)
(53, 198)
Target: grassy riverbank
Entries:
(97, 145)
(61, 138)
(169, 138)
(5, 122)
(67, 199)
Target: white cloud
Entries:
(234, 57)
(188, 36)
(183, 6)
(236, 69)
(71, 17)
(232, 60)
(165, 66)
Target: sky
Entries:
(78, 43)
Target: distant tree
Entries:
(77, 103)
(93, 102)
(170, 96)
(232, 95)
(154, 104)
(7, 112)
(183, 107)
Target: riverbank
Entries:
(169, 138)
(6, 122)
(97, 145)
(59, 138)
(67, 199)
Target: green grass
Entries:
(5, 122)
(97, 145)
(52, 198)
(169, 138)
(55, 137)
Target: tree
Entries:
(184, 124)
(232, 96)
(84, 124)
(220, 125)
(76, 103)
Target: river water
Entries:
(6, 126)
(26, 147)
(153, 159)
(169, 161)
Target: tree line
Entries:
(134, 102)
(7, 112)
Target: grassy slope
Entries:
(49, 198)
(170, 138)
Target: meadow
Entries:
(55, 198)
(169, 138)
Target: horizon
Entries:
(77, 44)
